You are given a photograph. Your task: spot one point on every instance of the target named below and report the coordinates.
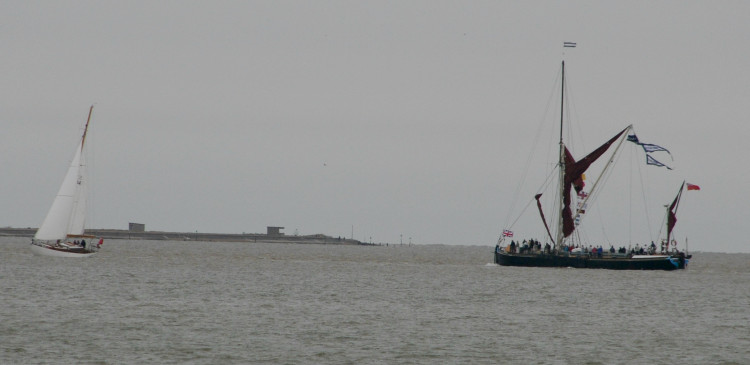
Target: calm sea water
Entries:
(236, 303)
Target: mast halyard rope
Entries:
(540, 127)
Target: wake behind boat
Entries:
(569, 248)
(62, 232)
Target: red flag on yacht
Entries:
(693, 187)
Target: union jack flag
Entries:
(507, 233)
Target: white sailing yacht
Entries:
(62, 232)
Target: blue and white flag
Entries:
(652, 161)
(648, 147)
(569, 44)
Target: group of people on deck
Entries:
(651, 249)
(527, 247)
(534, 246)
(594, 250)
(82, 243)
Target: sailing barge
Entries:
(562, 252)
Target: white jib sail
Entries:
(66, 216)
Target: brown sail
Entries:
(541, 212)
(672, 216)
(573, 179)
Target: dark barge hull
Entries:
(586, 262)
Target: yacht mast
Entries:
(86, 129)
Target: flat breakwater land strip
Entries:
(196, 236)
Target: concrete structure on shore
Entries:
(274, 231)
(119, 234)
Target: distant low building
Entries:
(136, 227)
(274, 231)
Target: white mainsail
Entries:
(67, 215)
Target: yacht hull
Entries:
(44, 250)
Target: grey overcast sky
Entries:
(393, 118)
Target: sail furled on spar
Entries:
(574, 171)
(544, 220)
(672, 215)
